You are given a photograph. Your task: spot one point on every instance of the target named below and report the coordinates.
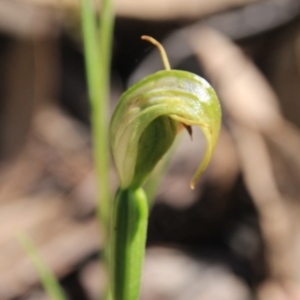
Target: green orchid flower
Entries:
(148, 115)
(142, 129)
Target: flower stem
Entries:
(128, 238)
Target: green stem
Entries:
(97, 46)
(48, 279)
(101, 110)
(128, 238)
(97, 54)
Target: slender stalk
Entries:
(100, 111)
(129, 220)
(49, 281)
(97, 46)
(97, 53)
(161, 49)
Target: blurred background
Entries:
(237, 236)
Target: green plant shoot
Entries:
(142, 129)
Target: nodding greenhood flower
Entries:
(151, 112)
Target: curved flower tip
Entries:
(148, 115)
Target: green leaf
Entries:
(97, 48)
(48, 279)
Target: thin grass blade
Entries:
(48, 279)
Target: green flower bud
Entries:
(149, 114)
